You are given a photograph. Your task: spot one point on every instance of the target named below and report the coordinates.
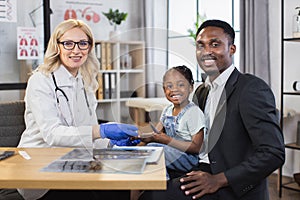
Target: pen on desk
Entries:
(153, 127)
(6, 154)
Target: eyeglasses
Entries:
(70, 45)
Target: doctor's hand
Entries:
(118, 131)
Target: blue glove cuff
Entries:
(102, 131)
(125, 142)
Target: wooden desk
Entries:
(17, 172)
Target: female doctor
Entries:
(61, 105)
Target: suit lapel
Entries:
(219, 120)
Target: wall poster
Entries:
(90, 11)
(8, 11)
(28, 45)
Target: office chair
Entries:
(12, 123)
(12, 126)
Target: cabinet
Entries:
(288, 76)
(121, 77)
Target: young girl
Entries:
(182, 123)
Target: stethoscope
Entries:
(57, 89)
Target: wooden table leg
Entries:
(136, 116)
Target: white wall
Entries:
(10, 67)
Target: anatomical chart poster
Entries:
(89, 11)
(28, 45)
(8, 10)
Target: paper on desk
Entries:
(80, 160)
(156, 152)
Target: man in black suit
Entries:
(245, 143)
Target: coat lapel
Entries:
(219, 120)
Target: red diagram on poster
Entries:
(87, 14)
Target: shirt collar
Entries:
(64, 77)
(221, 79)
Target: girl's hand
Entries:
(156, 137)
(146, 137)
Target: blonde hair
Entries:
(88, 70)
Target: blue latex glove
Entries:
(125, 142)
(117, 131)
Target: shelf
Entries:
(107, 100)
(13, 86)
(291, 39)
(291, 93)
(108, 71)
(292, 146)
(127, 99)
(121, 76)
(283, 93)
(131, 71)
(123, 71)
(291, 186)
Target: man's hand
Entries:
(198, 183)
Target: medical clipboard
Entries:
(122, 160)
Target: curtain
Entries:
(154, 23)
(148, 22)
(254, 49)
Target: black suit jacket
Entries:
(245, 141)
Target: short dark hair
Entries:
(221, 24)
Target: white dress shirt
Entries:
(214, 95)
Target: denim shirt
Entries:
(171, 123)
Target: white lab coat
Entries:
(49, 124)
